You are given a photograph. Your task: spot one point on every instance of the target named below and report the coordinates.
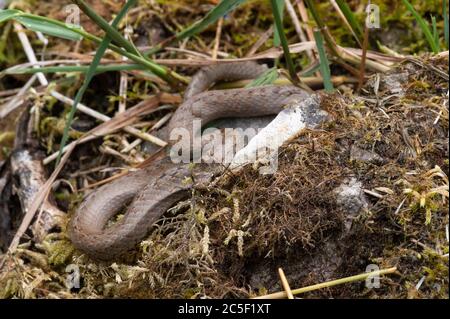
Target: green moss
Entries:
(60, 252)
(10, 289)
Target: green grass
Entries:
(266, 78)
(324, 63)
(445, 14)
(276, 33)
(110, 30)
(45, 25)
(277, 12)
(60, 29)
(219, 11)
(435, 31)
(424, 26)
(90, 75)
(351, 19)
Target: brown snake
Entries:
(151, 191)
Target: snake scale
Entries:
(146, 194)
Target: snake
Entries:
(144, 195)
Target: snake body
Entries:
(147, 193)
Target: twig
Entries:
(347, 24)
(110, 151)
(304, 16)
(430, 67)
(262, 39)
(217, 39)
(123, 88)
(400, 206)
(373, 193)
(29, 50)
(157, 125)
(282, 294)
(382, 62)
(128, 129)
(382, 58)
(362, 66)
(350, 56)
(200, 60)
(18, 99)
(285, 284)
(106, 180)
(29, 176)
(7, 93)
(298, 28)
(188, 52)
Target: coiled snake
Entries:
(150, 191)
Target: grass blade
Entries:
(90, 74)
(324, 64)
(445, 14)
(423, 25)
(276, 34)
(51, 25)
(435, 32)
(104, 25)
(322, 26)
(42, 24)
(74, 68)
(268, 77)
(351, 19)
(49, 28)
(7, 14)
(310, 70)
(220, 10)
(283, 40)
(212, 16)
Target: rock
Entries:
(358, 154)
(393, 83)
(263, 148)
(350, 196)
